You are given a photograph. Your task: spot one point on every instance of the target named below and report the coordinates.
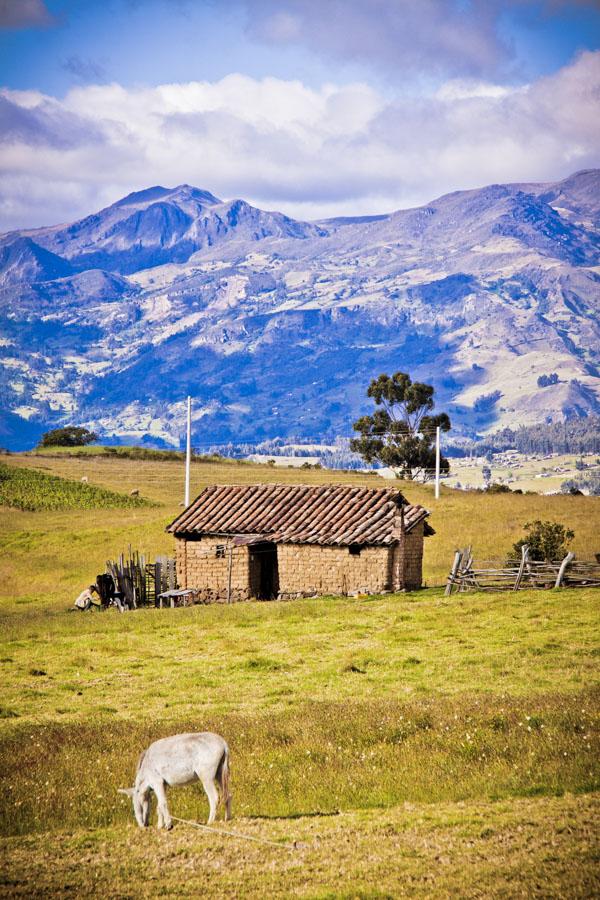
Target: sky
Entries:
(316, 108)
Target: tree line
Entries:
(571, 436)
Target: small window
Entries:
(220, 551)
(355, 549)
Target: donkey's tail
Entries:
(223, 780)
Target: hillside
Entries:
(276, 326)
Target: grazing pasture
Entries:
(412, 745)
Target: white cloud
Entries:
(337, 150)
(466, 88)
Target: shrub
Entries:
(486, 402)
(546, 541)
(547, 380)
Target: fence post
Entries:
(453, 572)
(521, 572)
(563, 568)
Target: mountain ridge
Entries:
(275, 326)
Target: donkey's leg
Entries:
(208, 783)
(146, 808)
(159, 816)
(164, 819)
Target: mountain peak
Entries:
(148, 195)
(157, 192)
(189, 192)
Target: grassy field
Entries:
(411, 745)
(68, 549)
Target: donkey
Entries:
(179, 760)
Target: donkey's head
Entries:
(140, 804)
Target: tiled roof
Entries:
(301, 514)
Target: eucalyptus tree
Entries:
(401, 431)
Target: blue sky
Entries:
(156, 41)
(315, 107)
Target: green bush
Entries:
(546, 541)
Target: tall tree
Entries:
(401, 432)
(69, 436)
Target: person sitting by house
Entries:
(86, 598)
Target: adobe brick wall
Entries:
(413, 558)
(407, 564)
(307, 569)
(199, 567)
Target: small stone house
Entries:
(283, 541)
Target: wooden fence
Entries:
(521, 574)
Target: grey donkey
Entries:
(179, 760)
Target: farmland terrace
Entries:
(410, 744)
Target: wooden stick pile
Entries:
(140, 582)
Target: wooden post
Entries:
(563, 568)
(455, 567)
(188, 452)
(229, 567)
(437, 463)
(521, 572)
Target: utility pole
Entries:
(437, 463)
(188, 452)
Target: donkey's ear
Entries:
(129, 792)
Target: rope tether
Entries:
(237, 834)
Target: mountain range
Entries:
(276, 326)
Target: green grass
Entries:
(324, 702)
(415, 745)
(273, 656)
(31, 490)
(136, 453)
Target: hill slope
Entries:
(276, 326)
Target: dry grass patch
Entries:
(546, 847)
